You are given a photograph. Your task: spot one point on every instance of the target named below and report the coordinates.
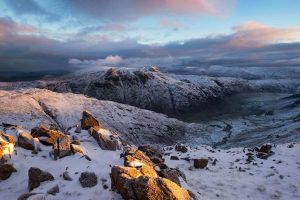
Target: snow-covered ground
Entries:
(229, 177)
(233, 178)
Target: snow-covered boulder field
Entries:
(267, 172)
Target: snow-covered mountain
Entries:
(165, 93)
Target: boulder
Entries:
(26, 196)
(62, 147)
(78, 129)
(76, 149)
(105, 139)
(6, 149)
(45, 135)
(54, 190)
(174, 158)
(88, 179)
(182, 148)
(133, 155)
(264, 151)
(66, 176)
(25, 140)
(149, 188)
(6, 170)
(89, 121)
(132, 184)
(37, 176)
(200, 163)
(8, 138)
(265, 148)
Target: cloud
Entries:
(108, 60)
(252, 34)
(134, 9)
(173, 24)
(23, 48)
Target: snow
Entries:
(231, 178)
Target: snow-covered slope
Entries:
(29, 108)
(149, 89)
(161, 92)
(230, 176)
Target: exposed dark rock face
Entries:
(46, 136)
(37, 176)
(88, 179)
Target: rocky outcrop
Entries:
(45, 135)
(37, 176)
(138, 179)
(89, 121)
(136, 158)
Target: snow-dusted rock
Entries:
(25, 140)
(46, 135)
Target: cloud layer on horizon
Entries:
(26, 48)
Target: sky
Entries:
(63, 35)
